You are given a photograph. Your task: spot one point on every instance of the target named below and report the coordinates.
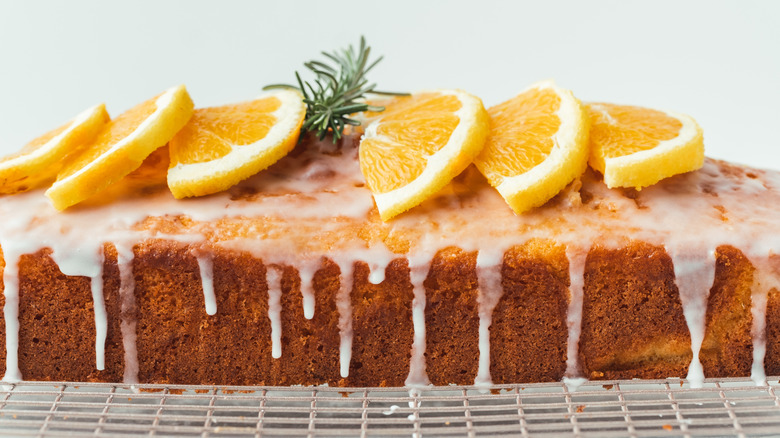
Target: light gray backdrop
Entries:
(715, 60)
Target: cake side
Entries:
(727, 349)
(632, 324)
(772, 361)
(59, 332)
(451, 312)
(294, 270)
(528, 335)
(311, 347)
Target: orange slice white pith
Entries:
(40, 160)
(637, 147)
(221, 146)
(538, 144)
(121, 147)
(418, 144)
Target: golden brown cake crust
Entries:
(529, 332)
(452, 350)
(310, 347)
(57, 313)
(772, 360)
(632, 323)
(382, 327)
(310, 217)
(727, 349)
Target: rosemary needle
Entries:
(338, 90)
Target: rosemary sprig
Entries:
(338, 90)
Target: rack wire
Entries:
(627, 408)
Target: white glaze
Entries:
(377, 268)
(101, 320)
(577, 257)
(316, 204)
(85, 258)
(273, 277)
(344, 306)
(392, 410)
(11, 315)
(306, 273)
(128, 321)
(489, 264)
(206, 267)
(418, 272)
(574, 383)
(765, 277)
(694, 276)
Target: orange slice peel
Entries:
(39, 161)
(121, 147)
(637, 147)
(418, 144)
(223, 145)
(538, 144)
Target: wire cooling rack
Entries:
(633, 408)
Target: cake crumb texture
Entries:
(529, 332)
(632, 318)
(632, 324)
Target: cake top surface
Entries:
(314, 203)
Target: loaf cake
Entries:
(291, 278)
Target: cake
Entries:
(291, 278)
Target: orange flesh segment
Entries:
(213, 132)
(635, 129)
(521, 131)
(38, 142)
(113, 132)
(412, 139)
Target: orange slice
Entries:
(637, 147)
(223, 145)
(121, 147)
(418, 145)
(148, 179)
(538, 144)
(39, 161)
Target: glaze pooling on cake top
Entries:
(313, 203)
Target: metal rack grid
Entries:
(634, 408)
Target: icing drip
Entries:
(694, 276)
(344, 305)
(414, 403)
(489, 264)
(377, 264)
(765, 278)
(418, 272)
(128, 312)
(574, 383)
(11, 314)
(206, 266)
(577, 257)
(274, 281)
(88, 262)
(101, 320)
(306, 273)
(286, 213)
(377, 273)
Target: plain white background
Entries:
(717, 61)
